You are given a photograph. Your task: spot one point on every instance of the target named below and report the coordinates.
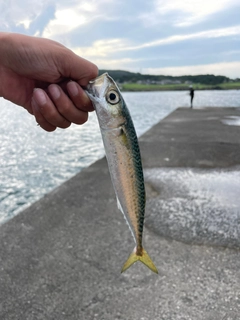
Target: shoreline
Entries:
(148, 88)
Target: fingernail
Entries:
(54, 91)
(85, 98)
(39, 97)
(73, 89)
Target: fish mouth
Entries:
(93, 91)
(99, 80)
(96, 86)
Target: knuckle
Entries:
(64, 108)
(48, 111)
(50, 115)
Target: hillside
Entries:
(125, 76)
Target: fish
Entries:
(124, 160)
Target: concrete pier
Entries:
(61, 258)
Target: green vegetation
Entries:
(152, 87)
(130, 81)
(230, 85)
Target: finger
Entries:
(40, 119)
(48, 110)
(66, 106)
(79, 96)
(29, 108)
(77, 68)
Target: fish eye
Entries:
(113, 97)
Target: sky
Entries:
(168, 37)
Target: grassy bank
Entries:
(168, 87)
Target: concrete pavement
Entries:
(61, 258)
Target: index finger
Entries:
(79, 97)
(78, 69)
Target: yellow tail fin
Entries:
(144, 258)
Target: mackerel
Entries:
(124, 160)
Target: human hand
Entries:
(45, 78)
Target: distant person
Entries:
(45, 78)
(191, 95)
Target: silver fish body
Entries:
(124, 160)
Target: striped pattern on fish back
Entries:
(137, 163)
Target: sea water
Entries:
(33, 162)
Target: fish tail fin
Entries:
(139, 255)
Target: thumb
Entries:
(77, 68)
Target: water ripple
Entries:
(33, 162)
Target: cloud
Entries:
(215, 33)
(229, 69)
(192, 12)
(69, 18)
(104, 47)
(67, 15)
(123, 64)
(118, 34)
(14, 15)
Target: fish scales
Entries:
(124, 160)
(129, 172)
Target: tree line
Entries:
(126, 76)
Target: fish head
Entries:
(107, 101)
